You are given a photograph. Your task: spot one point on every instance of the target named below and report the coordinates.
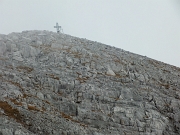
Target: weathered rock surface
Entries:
(56, 84)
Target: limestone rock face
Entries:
(56, 84)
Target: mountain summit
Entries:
(56, 84)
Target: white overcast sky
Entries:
(147, 27)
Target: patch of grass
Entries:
(11, 112)
(9, 67)
(117, 61)
(24, 68)
(167, 86)
(33, 108)
(77, 54)
(155, 63)
(60, 93)
(118, 75)
(78, 73)
(83, 79)
(47, 101)
(164, 70)
(133, 63)
(54, 77)
(96, 56)
(109, 115)
(24, 95)
(15, 84)
(43, 109)
(176, 68)
(1, 58)
(98, 110)
(115, 98)
(15, 102)
(68, 117)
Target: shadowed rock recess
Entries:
(56, 84)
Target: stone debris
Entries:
(56, 84)
(110, 72)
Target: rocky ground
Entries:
(56, 84)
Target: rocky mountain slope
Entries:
(56, 84)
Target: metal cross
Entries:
(57, 27)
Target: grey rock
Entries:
(40, 95)
(57, 84)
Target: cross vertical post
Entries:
(57, 27)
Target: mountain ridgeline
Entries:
(57, 84)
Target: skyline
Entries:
(150, 28)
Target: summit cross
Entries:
(57, 27)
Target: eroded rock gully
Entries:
(56, 84)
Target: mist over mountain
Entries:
(57, 84)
